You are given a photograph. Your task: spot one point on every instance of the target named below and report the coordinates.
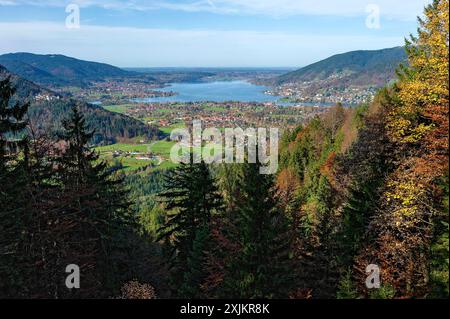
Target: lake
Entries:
(219, 91)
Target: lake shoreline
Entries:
(221, 91)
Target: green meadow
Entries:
(162, 148)
(122, 108)
(170, 128)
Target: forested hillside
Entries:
(24, 88)
(47, 110)
(109, 127)
(375, 67)
(355, 187)
(58, 69)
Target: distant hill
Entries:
(48, 109)
(25, 89)
(360, 68)
(53, 69)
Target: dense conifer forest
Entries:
(355, 187)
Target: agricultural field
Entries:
(133, 157)
(170, 128)
(140, 157)
(122, 108)
(162, 148)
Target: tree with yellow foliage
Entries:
(411, 211)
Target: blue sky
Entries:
(206, 33)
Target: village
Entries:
(143, 155)
(118, 91)
(328, 91)
(224, 114)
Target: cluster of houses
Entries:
(46, 97)
(325, 92)
(224, 114)
(137, 155)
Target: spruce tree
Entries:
(262, 268)
(32, 232)
(323, 268)
(191, 198)
(12, 181)
(99, 204)
(195, 274)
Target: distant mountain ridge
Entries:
(56, 69)
(360, 68)
(48, 109)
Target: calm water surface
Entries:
(214, 92)
(220, 91)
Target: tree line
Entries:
(61, 205)
(355, 187)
